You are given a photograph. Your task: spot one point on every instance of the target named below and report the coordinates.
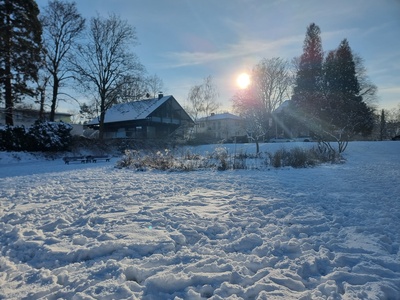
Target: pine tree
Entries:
(307, 90)
(20, 44)
(344, 110)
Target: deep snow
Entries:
(91, 231)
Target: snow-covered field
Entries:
(91, 231)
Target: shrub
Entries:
(303, 158)
(136, 160)
(279, 158)
(221, 155)
(49, 136)
(13, 138)
(220, 159)
(298, 158)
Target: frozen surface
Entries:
(90, 231)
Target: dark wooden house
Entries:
(144, 119)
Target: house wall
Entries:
(26, 117)
(221, 128)
(158, 125)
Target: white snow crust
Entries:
(91, 231)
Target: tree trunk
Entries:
(54, 99)
(42, 98)
(102, 117)
(257, 147)
(7, 71)
(9, 100)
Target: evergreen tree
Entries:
(20, 44)
(307, 91)
(327, 97)
(344, 111)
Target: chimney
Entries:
(160, 95)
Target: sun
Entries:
(243, 80)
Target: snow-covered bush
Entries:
(220, 154)
(13, 138)
(49, 136)
(220, 159)
(161, 160)
(41, 136)
(302, 158)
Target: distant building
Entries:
(156, 118)
(26, 116)
(283, 125)
(220, 127)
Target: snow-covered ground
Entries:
(91, 231)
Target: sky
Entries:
(184, 41)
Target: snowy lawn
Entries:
(91, 231)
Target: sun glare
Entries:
(243, 80)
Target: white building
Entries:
(225, 126)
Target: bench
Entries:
(86, 159)
(94, 159)
(68, 159)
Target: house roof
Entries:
(282, 107)
(136, 110)
(223, 116)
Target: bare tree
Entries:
(154, 85)
(393, 121)
(62, 25)
(271, 81)
(134, 88)
(139, 87)
(42, 82)
(270, 86)
(105, 61)
(255, 118)
(202, 99)
(368, 90)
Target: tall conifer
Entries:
(20, 44)
(307, 90)
(344, 108)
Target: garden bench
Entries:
(95, 158)
(68, 159)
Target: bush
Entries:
(299, 158)
(221, 160)
(136, 160)
(42, 136)
(221, 156)
(13, 138)
(49, 136)
(303, 158)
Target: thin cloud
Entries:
(243, 48)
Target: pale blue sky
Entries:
(184, 41)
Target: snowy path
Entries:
(95, 232)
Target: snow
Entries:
(136, 110)
(223, 116)
(92, 231)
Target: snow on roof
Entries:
(281, 107)
(136, 110)
(223, 116)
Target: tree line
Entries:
(55, 48)
(331, 96)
